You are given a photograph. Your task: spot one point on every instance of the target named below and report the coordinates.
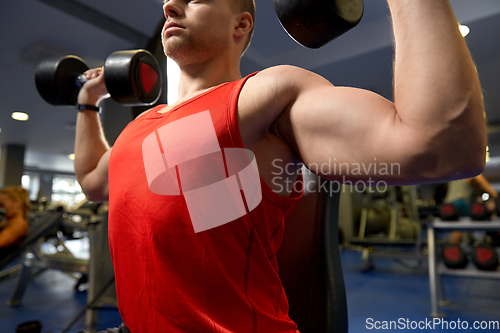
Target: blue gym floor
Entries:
(391, 292)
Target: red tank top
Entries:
(193, 229)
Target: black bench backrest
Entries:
(310, 267)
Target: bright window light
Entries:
(71, 156)
(464, 30)
(25, 182)
(173, 75)
(21, 116)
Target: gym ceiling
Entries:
(31, 30)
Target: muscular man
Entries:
(176, 270)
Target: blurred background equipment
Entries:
(389, 227)
(50, 246)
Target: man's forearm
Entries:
(437, 93)
(433, 68)
(90, 143)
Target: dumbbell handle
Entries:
(80, 80)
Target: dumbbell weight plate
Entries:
(485, 258)
(313, 23)
(55, 79)
(448, 212)
(454, 256)
(133, 77)
(479, 212)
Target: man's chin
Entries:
(173, 50)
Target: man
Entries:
(176, 270)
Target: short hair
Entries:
(245, 6)
(18, 193)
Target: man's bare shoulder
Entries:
(284, 75)
(264, 97)
(269, 93)
(271, 90)
(282, 83)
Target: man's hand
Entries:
(94, 90)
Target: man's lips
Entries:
(172, 26)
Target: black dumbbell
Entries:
(454, 256)
(132, 78)
(485, 257)
(448, 212)
(313, 23)
(479, 212)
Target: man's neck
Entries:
(197, 78)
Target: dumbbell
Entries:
(132, 77)
(313, 23)
(485, 257)
(479, 212)
(454, 256)
(448, 212)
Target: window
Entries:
(66, 191)
(31, 182)
(173, 75)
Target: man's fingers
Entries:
(93, 73)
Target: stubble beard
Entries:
(187, 50)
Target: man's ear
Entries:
(244, 24)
